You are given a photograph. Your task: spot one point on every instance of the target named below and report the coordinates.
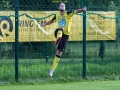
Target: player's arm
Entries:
(80, 10)
(71, 13)
(48, 22)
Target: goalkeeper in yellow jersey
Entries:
(63, 32)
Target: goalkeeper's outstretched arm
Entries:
(47, 23)
(81, 10)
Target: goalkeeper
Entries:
(63, 32)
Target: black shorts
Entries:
(63, 43)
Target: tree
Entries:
(114, 6)
(6, 5)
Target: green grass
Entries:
(97, 85)
(69, 67)
(67, 70)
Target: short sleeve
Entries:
(54, 19)
(71, 13)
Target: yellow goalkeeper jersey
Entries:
(64, 21)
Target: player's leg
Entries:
(55, 62)
(58, 34)
(61, 47)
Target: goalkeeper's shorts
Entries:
(63, 42)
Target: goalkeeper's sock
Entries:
(55, 62)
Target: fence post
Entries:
(46, 51)
(102, 49)
(16, 39)
(84, 41)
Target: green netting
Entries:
(35, 58)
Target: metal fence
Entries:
(31, 60)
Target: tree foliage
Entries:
(6, 5)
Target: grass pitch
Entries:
(96, 85)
